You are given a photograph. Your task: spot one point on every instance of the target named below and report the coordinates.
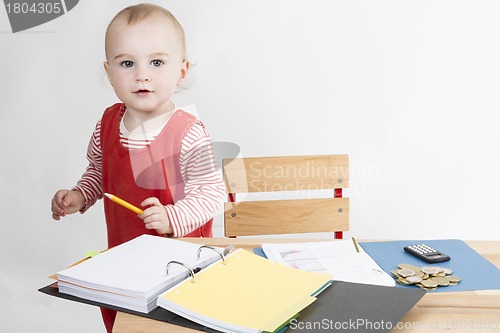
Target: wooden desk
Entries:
(468, 311)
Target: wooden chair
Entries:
(282, 174)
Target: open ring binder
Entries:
(223, 257)
(269, 294)
(191, 271)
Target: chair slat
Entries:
(286, 216)
(286, 173)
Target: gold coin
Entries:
(406, 272)
(395, 272)
(453, 279)
(431, 269)
(424, 287)
(413, 268)
(414, 279)
(442, 281)
(425, 276)
(419, 273)
(439, 274)
(432, 288)
(447, 271)
(408, 266)
(402, 281)
(429, 283)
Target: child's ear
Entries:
(184, 69)
(106, 68)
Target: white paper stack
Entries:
(132, 275)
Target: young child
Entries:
(144, 150)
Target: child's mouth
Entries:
(142, 92)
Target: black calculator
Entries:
(426, 253)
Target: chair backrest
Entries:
(283, 174)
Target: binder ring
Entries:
(213, 249)
(191, 272)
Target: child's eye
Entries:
(157, 63)
(127, 63)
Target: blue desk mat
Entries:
(476, 272)
(260, 252)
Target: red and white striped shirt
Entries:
(204, 188)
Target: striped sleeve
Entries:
(204, 188)
(90, 185)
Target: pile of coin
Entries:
(426, 277)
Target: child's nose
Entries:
(142, 75)
(143, 78)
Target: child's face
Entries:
(144, 63)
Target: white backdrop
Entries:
(409, 89)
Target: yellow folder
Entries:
(246, 294)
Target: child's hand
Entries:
(66, 202)
(155, 217)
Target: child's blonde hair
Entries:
(140, 12)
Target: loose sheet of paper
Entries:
(338, 258)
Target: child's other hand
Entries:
(155, 217)
(66, 202)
